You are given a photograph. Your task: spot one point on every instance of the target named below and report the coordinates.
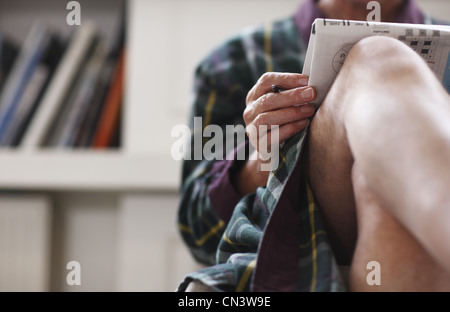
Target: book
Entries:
(85, 132)
(69, 68)
(88, 127)
(75, 96)
(75, 108)
(33, 92)
(331, 41)
(84, 97)
(8, 53)
(109, 118)
(30, 55)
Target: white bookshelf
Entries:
(91, 193)
(114, 211)
(136, 166)
(85, 171)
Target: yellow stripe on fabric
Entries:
(246, 276)
(303, 246)
(313, 238)
(274, 172)
(184, 228)
(211, 232)
(209, 107)
(225, 236)
(268, 47)
(208, 111)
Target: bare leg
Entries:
(387, 111)
(404, 264)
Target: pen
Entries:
(275, 89)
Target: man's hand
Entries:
(288, 109)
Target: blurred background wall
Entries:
(112, 208)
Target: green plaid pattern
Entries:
(222, 82)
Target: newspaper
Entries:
(331, 41)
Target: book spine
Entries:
(110, 114)
(33, 50)
(1, 62)
(60, 85)
(8, 53)
(84, 97)
(87, 127)
(30, 94)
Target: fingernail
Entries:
(307, 109)
(308, 93)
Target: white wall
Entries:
(437, 8)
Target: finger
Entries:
(289, 130)
(267, 137)
(275, 101)
(284, 81)
(284, 116)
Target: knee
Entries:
(379, 48)
(384, 54)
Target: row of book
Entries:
(61, 93)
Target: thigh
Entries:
(378, 112)
(327, 163)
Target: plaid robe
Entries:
(230, 247)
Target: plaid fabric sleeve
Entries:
(222, 82)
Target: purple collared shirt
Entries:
(309, 11)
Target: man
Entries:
(250, 224)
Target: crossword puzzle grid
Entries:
(423, 42)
